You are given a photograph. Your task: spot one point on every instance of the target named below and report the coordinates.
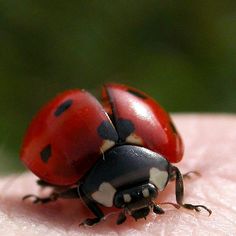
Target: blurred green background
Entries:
(183, 53)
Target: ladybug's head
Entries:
(136, 201)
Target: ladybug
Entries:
(118, 154)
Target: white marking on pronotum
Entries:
(133, 138)
(105, 194)
(107, 144)
(127, 197)
(158, 178)
(145, 192)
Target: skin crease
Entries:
(209, 148)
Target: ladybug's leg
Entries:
(158, 210)
(179, 193)
(121, 218)
(67, 194)
(93, 207)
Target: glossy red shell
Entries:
(70, 140)
(63, 141)
(154, 128)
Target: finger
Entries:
(210, 149)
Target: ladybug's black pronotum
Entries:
(118, 154)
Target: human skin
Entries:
(210, 148)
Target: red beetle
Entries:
(118, 154)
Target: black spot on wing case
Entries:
(46, 153)
(123, 166)
(124, 128)
(107, 131)
(63, 107)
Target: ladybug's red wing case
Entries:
(67, 137)
(141, 120)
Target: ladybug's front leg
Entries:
(179, 192)
(92, 207)
(70, 193)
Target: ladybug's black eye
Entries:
(152, 191)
